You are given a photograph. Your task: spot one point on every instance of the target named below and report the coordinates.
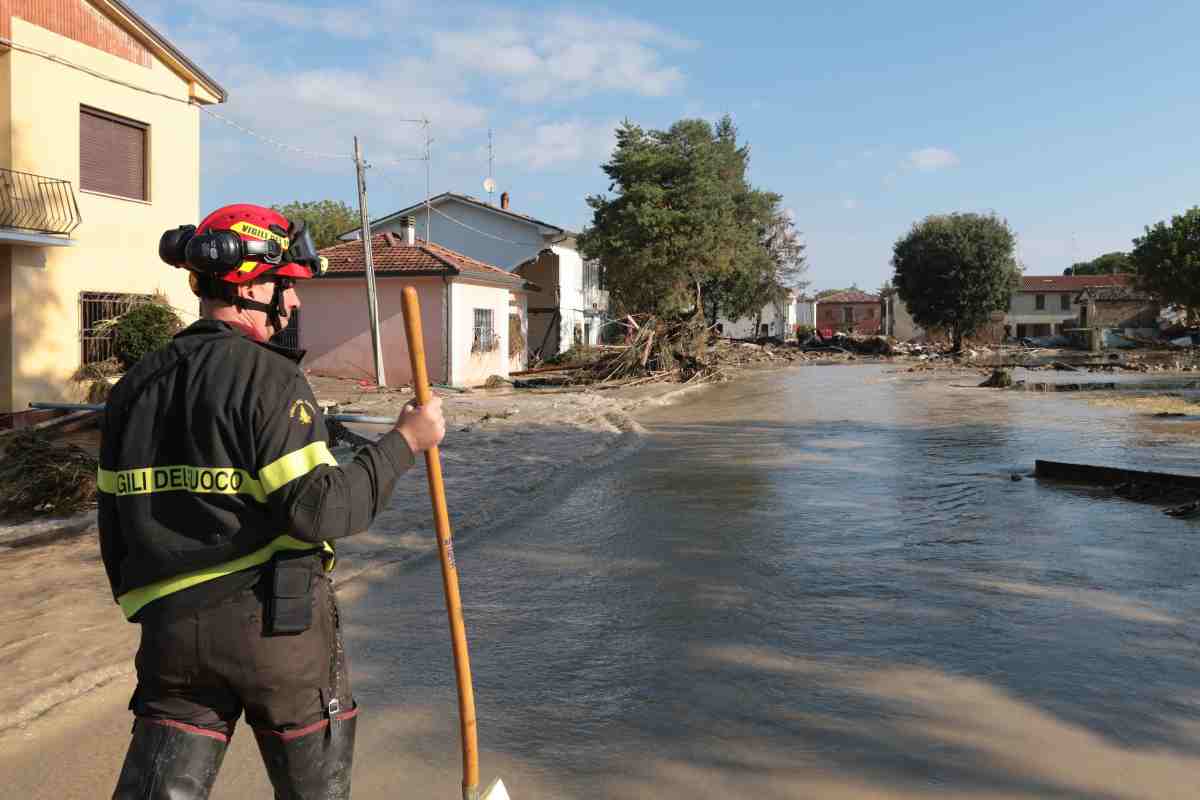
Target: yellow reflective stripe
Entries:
(181, 478)
(258, 232)
(295, 464)
(136, 599)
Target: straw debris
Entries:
(39, 476)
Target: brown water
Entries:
(819, 584)
(825, 584)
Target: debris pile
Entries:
(97, 379)
(654, 350)
(39, 476)
(686, 350)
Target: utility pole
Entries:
(369, 265)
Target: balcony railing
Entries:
(36, 203)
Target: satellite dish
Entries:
(489, 185)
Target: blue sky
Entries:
(1077, 122)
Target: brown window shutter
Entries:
(112, 154)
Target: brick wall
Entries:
(78, 20)
(832, 316)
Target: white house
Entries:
(776, 319)
(571, 300)
(806, 311)
(568, 309)
(1046, 305)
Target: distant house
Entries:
(572, 301)
(473, 314)
(775, 319)
(1125, 308)
(851, 310)
(1047, 305)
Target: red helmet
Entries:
(241, 242)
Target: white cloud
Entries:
(535, 59)
(550, 145)
(849, 202)
(356, 22)
(426, 64)
(928, 159)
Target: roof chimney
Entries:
(504, 200)
(409, 226)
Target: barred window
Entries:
(98, 312)
(485, 339)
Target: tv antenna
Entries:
(489, 183)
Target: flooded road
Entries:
(826, 584)
(819, 583)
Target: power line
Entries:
(388, 179)
(273, 142)
(9, 43)
(485, 233)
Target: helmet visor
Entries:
(303, 250)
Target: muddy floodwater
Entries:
(825, 583)
(815, 583)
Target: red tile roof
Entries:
(392, 256)
(1071, 283)
(853, 296)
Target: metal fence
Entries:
(96, 310)
(37, 203)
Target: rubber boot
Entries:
(170, 762)
(311, 763)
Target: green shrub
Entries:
(143, 329)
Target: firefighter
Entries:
(219, 507)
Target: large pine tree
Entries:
(685, 230)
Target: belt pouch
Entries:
(290, 604)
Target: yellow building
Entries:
(99, 154)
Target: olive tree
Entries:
(954, 270)
(1166, 261)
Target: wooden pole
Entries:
(441, 518)
(369, 266)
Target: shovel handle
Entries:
(437, 495)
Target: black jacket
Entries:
(214, 456)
